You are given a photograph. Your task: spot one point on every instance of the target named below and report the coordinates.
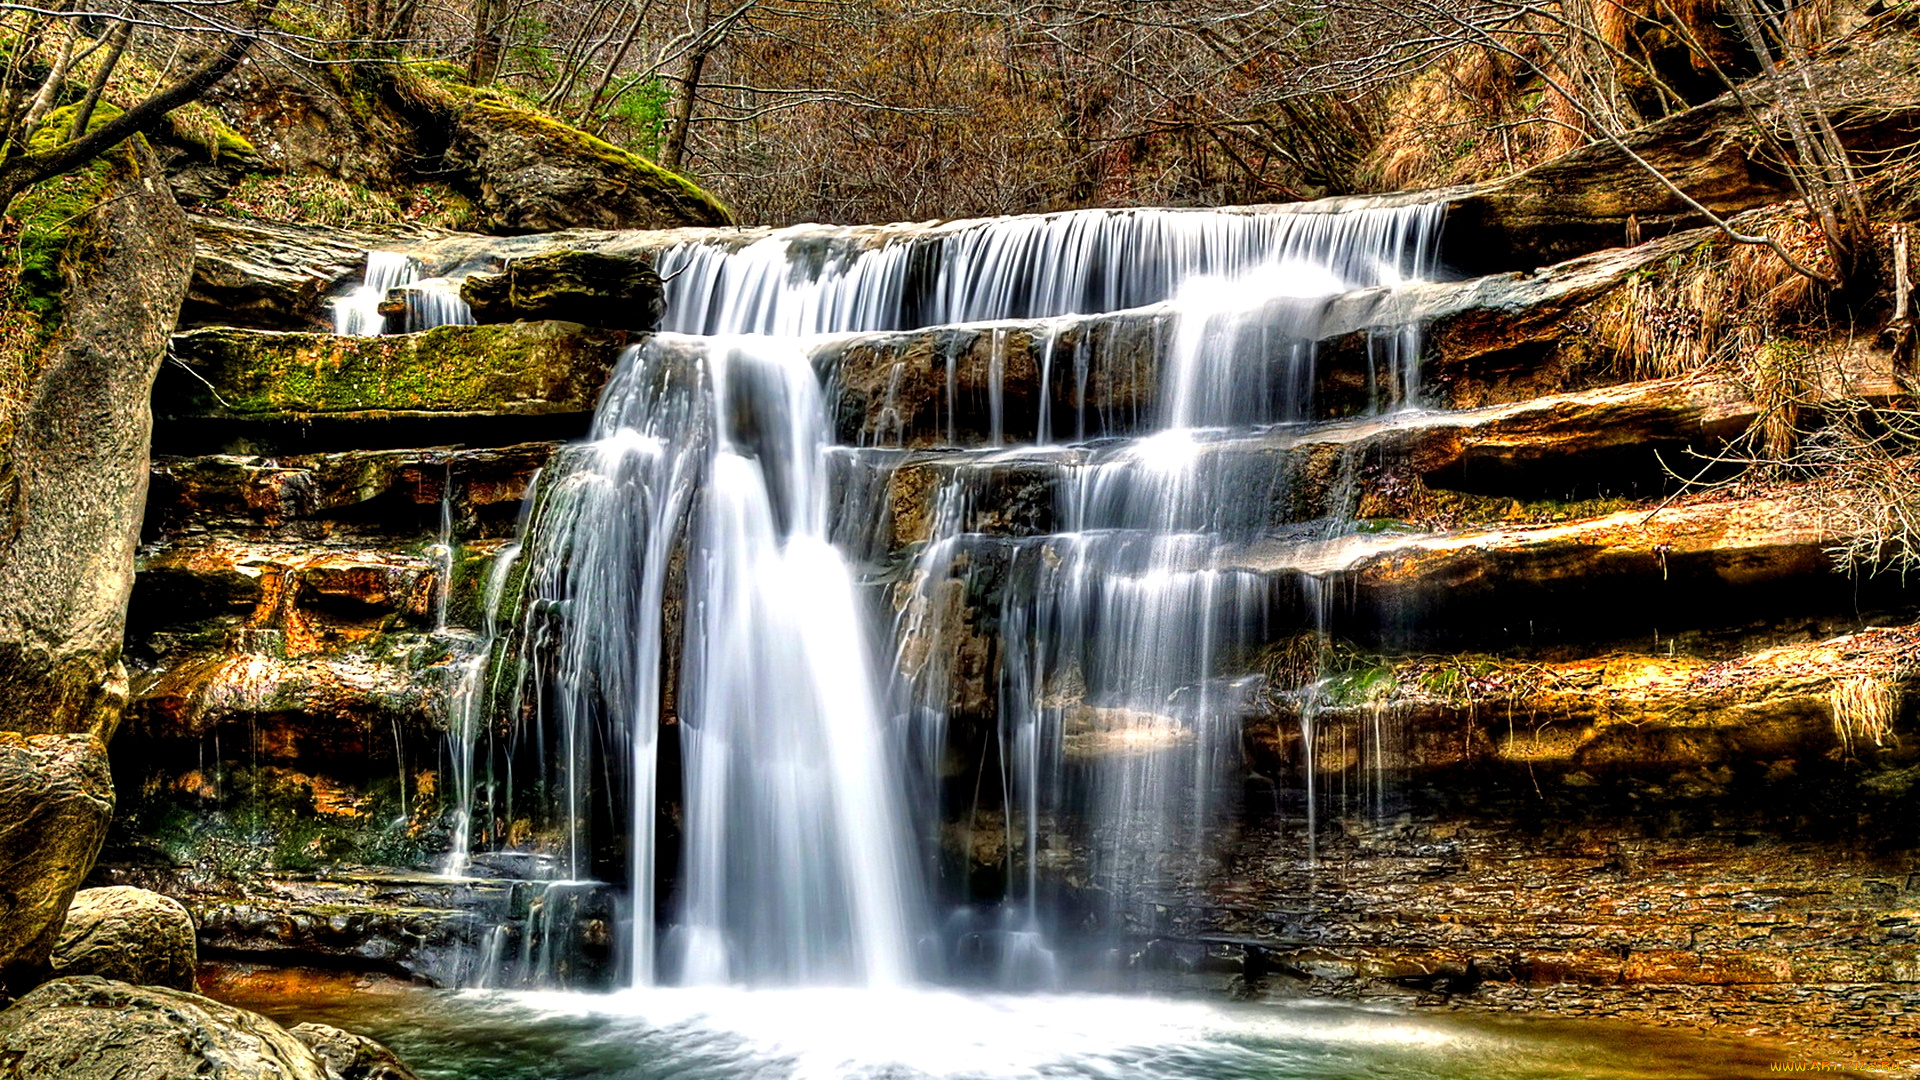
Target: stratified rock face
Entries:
(536, 175)
(76, 470)
(273, 277)
(56, 796)
(87, 1028)
(130, 935)
(349, 1056)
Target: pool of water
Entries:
(827, 1034)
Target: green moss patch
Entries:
(513, 368)
(43, 238)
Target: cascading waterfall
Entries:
(691, 636)
(429, 302)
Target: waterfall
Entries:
(696, 709)
(428, 302)
(801, 282)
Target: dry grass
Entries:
(1474, 116)
(1720, 304)
(324, 200)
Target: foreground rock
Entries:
(86, 1028)
(56, 796)
(351, 1057)
(73, 451)
(129, 935)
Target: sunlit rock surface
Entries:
(87, 1028)
(129, 935)
(56, 796)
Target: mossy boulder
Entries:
(576, 286)
(534, 174)
(133, 935)
(87, 1028)
(56, 797)
(523, 369)
(104, 260)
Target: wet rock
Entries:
(1617, 713)
(128, 935)
(1551, 446)
(571, 286)
(395, 492)
(276, 277)
(351, 1057)
(87, 1028)
(56, 797)
(328, 708)
(73, 471)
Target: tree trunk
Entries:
(689, 89)
(485, 62)
(84, 113)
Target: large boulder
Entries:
(351, 1057)
(104, 262)
(530, 173)
(127, 934)
(56, 797)
(87, 1028)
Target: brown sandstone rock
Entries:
(56, 797)
(351, 1057)
(129, 935)
(87, 1028)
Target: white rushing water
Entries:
(697, 706)
(430, 302)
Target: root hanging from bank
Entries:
(1864, 710)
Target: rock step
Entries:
(509, 383)
(1498, 339)
(422, 925)
(1567, 722)
(1606, 442)
(1711, 562)
(375, 492)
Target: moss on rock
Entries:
(517, 369)
(533, 173)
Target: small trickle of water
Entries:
(429, 302)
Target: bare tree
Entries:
(230, 29)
